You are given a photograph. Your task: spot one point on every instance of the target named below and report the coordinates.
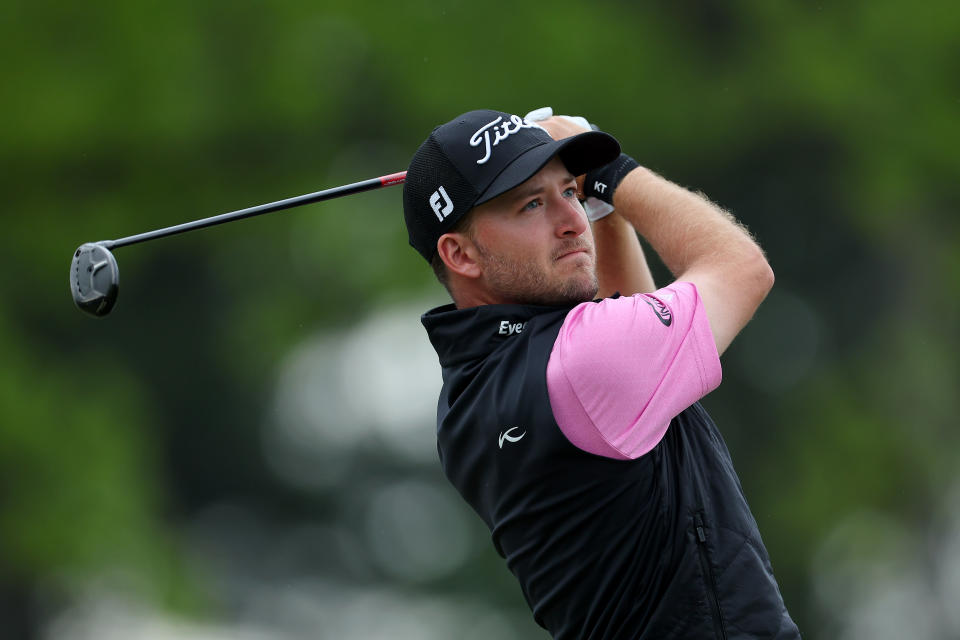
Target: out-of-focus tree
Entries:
(830, 130)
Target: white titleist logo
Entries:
(508, 328)
(505, 435)
(500, 131)
(442, 209)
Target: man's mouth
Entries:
(572, 251)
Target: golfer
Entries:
(569, 416)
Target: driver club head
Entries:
(94, 279)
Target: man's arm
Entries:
(699, 243)
(621, 265)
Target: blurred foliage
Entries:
(830, 129)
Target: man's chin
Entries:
(577, 291)
(513, 283)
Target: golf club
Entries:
(95, 277)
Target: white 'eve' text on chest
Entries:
(508, 328)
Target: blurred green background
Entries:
(244, 448)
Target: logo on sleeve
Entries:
(662, 311)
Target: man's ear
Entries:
(459, 254)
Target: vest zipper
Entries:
(708, 576)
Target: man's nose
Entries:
(571, 220)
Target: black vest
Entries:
(660, 547)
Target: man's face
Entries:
(534, 242)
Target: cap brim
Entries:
(580, 154)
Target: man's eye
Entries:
(530, 206)
(569, 192)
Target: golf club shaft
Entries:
(288, 203)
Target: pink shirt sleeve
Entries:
(622, 368)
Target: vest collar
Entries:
(462, 335)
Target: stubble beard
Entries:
(525, 282)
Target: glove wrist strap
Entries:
(603, 182)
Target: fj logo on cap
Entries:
(441, 204)
(501, 131)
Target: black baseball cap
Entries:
(476, 157)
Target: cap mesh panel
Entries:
(428, 171)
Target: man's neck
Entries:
(467, 297)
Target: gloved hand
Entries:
(600, 184)
(547, 112)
